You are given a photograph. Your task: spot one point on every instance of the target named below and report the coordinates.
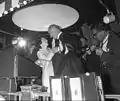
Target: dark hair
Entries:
(39, 42)
(101, 26)
(55, 26)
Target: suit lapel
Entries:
(109, 44)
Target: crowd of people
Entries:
(98, 52)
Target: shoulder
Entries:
(113, 36)
(65, 35)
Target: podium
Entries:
(78, 88)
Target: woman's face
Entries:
(44, 43)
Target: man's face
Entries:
(101, 35)
(53, 32)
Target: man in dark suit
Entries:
(112, 59)
(65, 61)
(110, 55)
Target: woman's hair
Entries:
(39, 42)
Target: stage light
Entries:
(21, 42)
(18, 6)
(109, 18)
(21, 29)
(87, 74)
(25, 2)
(14, 42)
(11, 9)
(5, 12)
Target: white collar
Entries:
(59, 35)
(106, 38)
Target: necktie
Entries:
(56, 42)
(104, 46)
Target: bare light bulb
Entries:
(87, 74)
(14, 42)
(106, 20)
(18, 6)
(21, 29)
(11, 9)
(22, 43)
(24, 2)
(5, 12)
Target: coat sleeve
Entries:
(62, 44)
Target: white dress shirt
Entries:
(105, 42)
(53, 40)
(60, 48)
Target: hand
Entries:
(92, 48)
(99, 52)
(37, 62)
(55, 50)
(84, 57)
(88, 52)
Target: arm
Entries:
(89, 51)
(62, 46)
(42, 58)
(38, 61)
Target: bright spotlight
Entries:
(24, 2)
(21, 29)
(110, 17)
(11, 9)
(5, 12)
(14, 42)
(21, 42)
(87, 74)
(18, 6)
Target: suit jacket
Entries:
(113, 63)
(114, 50)
(71, 41)
(59, 59)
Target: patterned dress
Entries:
(44, 61)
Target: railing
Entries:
(112, 96)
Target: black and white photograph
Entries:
(59, 50)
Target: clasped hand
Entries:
(55, 50)
(99, 52)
